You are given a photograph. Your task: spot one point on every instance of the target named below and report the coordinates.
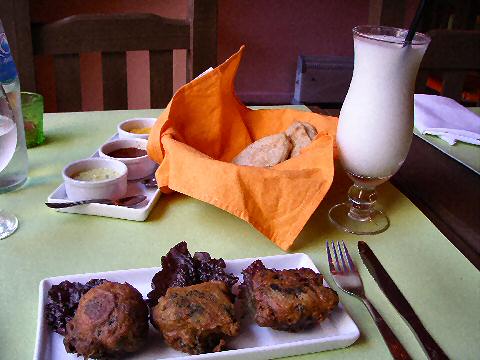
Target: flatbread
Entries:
(297, 132)
(311, 131)
(267, 151)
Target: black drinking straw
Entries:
(414, 24)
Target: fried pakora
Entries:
(196, 319)
(62, 302)
(111, 320)
(290, 300)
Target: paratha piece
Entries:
(297, 132)
(268, 151)
(311, 130)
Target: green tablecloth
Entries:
(441, 285)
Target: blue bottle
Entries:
(15, 173)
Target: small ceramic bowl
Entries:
(114, 188)
(126, 126)
(138, 167)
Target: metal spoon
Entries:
(126, 201)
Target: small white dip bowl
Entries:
(103, 189)
(138, 167)
(124, 127)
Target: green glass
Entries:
(32, 109)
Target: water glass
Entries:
(8, 145)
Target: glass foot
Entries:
(341, 216)
(8, 224)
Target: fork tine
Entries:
(345, 267)
(349, 258)
(339, 268)
(330, 261)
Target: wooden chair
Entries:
(115, 34)
(454, 55)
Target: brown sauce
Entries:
(129, 152)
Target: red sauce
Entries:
(129, 152)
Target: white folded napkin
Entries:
(444, 117)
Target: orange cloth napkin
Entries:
(202, 129)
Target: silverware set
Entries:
(126, 201)
(347, 278)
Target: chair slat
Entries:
(161, 78)
(67, 79)
(114, 73)
(115, 32)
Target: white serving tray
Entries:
(253, 342)
(138, 212)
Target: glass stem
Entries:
(362, 202)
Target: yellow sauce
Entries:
(97, 174)
(145, 130)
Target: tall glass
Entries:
(8, 144)
(376, 121)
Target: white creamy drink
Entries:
(376, 120)
(8, 140)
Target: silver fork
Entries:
(347, 278)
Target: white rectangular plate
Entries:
(138, 212)
(254, 342)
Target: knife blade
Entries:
(394, 295)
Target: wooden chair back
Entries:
(113, 35)
(454, 54)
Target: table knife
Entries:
(392, 292)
